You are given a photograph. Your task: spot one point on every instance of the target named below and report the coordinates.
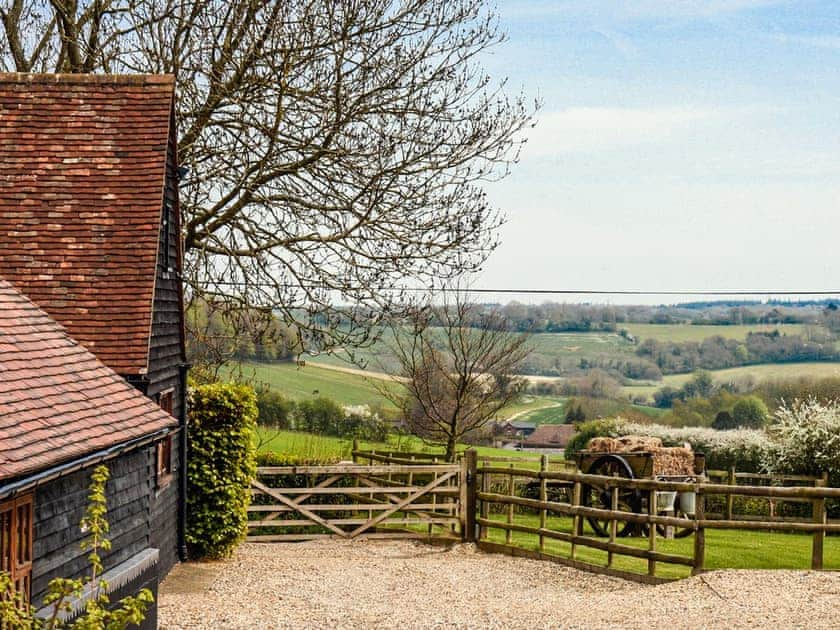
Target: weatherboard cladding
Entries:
(83, 164)
(58, 401)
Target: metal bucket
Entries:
(665, 501)
(688, 502)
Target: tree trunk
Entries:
(450, 448)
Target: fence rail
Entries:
(352, 500)
(413, 495)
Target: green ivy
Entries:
(220, 467)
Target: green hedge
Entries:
(220, 466)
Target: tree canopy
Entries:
(336, 148)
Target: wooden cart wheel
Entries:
(598, 496)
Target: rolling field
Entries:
(761, 372)
(688, 332)
(346, 388)
(301, 383)
(328, 448)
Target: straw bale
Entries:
(674, 460)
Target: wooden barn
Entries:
(89, 232)
(62, 412)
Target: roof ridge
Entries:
(89, 79)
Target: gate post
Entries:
(469, 466)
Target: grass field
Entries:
(688, 332)
(761, 372)
(327, 448)
(725, 549)
(302, 383)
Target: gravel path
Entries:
(374, 584)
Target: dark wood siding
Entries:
(139, 515)
(166, 346)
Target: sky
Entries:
(681, 145)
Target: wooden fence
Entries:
(733, 478)
(293, 503)
(411, 495)
(498, 488)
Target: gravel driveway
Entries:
(399, 584)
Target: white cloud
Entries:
(586, 129)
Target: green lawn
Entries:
(725, 549)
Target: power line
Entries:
(712, 292)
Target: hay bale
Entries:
(638, 443)
(673, 460)
(603, 445)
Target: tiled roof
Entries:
(57, 400)
(551, 435)
(82, 168)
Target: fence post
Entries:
(509, 531)
(613, 523)
(485, 508)
(730, 498)
(819, 517)
(355, 448)
(577, 524)
(700, 533)
(652, 506)
(543, 498)
(469, 464)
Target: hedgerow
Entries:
(220, 466)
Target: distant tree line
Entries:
(715, 353)
(555, 317)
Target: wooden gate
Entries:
(293, 503)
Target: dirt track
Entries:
(361, 584)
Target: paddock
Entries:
(407, 584)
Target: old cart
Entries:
(638, 464)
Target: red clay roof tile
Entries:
(82, 168)
(57, 400)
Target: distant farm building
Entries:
(550, 436)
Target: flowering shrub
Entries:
(806, 439)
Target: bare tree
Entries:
(336, 148)
(458, 363)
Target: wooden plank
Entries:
(355, 469)
(397, 507)
(594, 543)
(443, 520)
(303, 537)
(300, 508)
(359, 490)
(577, 564)
(349, 507)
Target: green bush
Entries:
(750, 412)
(320, 415)
(274, 409)
(220, 466)
(588, 430)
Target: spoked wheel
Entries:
(599, 496)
